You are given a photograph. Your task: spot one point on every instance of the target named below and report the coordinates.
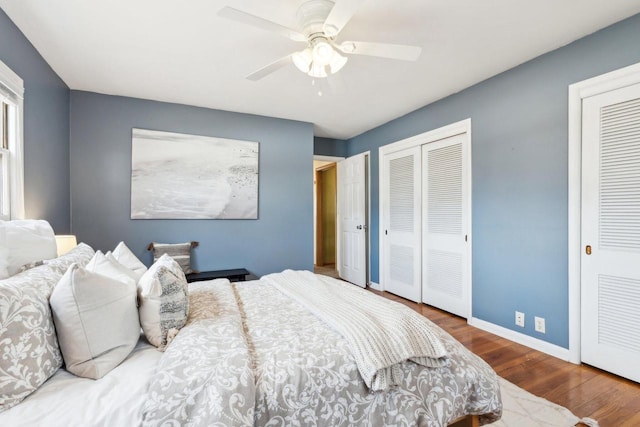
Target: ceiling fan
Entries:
(320, 22)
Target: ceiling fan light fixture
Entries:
(302, 60)
(318, 71)
(320, 21)
(322, 52)
(337, 62)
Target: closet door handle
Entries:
(587, 250)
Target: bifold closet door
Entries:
(401, 239)
(610, 261)
(446, 206)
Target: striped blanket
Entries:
(381, 333)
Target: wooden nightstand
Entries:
(234, 275)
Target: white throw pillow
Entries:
(125, 257)
(96, 321)
(108, 266)
(27, 241)
(4, 253)
(164, 300)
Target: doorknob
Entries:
(359, 227)
(588, 250)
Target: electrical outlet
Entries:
(519, 319)
(540, 327)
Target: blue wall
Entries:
(329, 147)
(281, 238)
(519, 162)
(46, 128)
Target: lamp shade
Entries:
(65, 243)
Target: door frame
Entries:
(367, 167)
(613, 80)
(453, 129)
(320, 183)
(335, 160)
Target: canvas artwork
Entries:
(179, 176)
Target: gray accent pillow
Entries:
(80, 255)
(180, 252)
(29, 352)
(96, 321)
(164, 300)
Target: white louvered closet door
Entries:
(610, 259)
(445, 219)
(401, 204)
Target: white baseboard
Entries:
(375, 286)
(520, 338)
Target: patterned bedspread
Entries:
(250, 355)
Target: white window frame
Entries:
(14, 162)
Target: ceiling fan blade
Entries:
(263, 24)
(274, 66)
(385, 50)
(340, 14)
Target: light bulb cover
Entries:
(302, 60)
(337, 62)
(318, 71)
(322, 52)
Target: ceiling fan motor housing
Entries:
(312, 14)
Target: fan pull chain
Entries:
(313, 83)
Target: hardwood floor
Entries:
(327, 270)
(586, 391)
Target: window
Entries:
(11, 145)
(5, 155)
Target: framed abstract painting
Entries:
(180, 176)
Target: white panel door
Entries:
(401, 204)
(445, 222)
(352, 220)
(610, 259)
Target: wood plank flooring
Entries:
(586, 391)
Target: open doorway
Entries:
(325, 217)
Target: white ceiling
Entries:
(182, 52)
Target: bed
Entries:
(250, 354)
